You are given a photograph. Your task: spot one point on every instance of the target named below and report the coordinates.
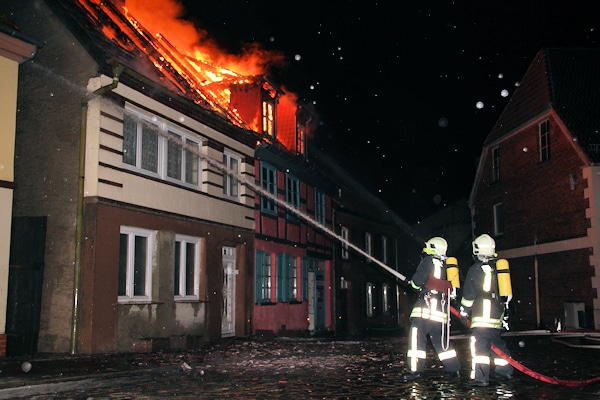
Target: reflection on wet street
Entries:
(314, 368)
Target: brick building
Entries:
(536, 190)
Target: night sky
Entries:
(396, 84)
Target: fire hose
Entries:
(528, 371)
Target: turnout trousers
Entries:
(482, 354)
(420, 329)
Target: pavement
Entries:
(295, 368)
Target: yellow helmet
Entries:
(436, 246)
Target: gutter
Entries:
(21, 36)
(117, 71)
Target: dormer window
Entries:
(268, 118)
(300, 138)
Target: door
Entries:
(316, 301)
(24, 300)
(320, 300)
(229, 272)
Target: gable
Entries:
(567, 81)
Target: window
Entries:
(344, 234)
(544, 140)
(370, 307)
(174, 156)
(264, 283)
(292, 191)
(231, 185)
(140, 143)
(385, 298)
(498, 219)
(384, 248)
(287, 278)
(300, 138)
(135, 264)
(159, 149)
(187, 267)
(319, 207)
(368, 245)
(495, 164)
(268, 118)
(268, 182)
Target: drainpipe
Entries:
(117, 71)
(538, 319)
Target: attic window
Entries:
(268, 118)
(544, 140)
(496, 164)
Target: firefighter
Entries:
(486, 306)
(429, 316)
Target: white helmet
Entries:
(484, 246)
(436, 246)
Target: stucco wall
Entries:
(51, 89)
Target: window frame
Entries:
(385, 299)
(269, 185)
(129, 296)
(181, 285)
(544, 140)
(268, 117)
(292, 193)
(231, 184)
(369, 245)
(345, 234)
(263, 277)
(496, 164)
(384, 249)
(301, 138)
(370, 305)
(320, 207)
(188, 147)
(286, 288)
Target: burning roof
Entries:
(121, 37)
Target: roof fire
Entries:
(190, 71)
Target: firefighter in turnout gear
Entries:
(484, 302)
(429, 316)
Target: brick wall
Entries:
(538, 199)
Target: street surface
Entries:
(296, 368)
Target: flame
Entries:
(195, 42)
(185, 56)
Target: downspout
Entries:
(117, 71)
(538, 319)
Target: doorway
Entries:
(229, 273)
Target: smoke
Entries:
(165, 17)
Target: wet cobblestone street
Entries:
(296, 369)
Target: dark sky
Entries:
(396, 83)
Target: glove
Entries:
(464, 312)
(453, 294)
(505, 323)
(505, 318)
